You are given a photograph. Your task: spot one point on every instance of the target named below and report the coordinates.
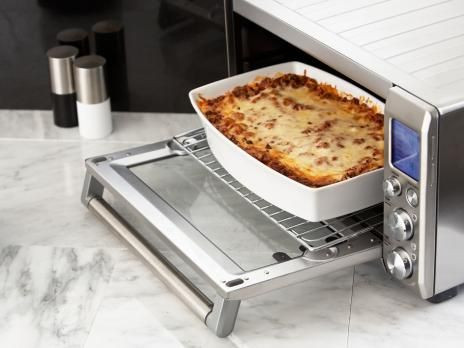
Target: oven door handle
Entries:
(193, 297)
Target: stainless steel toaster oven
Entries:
(214, 242)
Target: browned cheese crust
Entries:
(303, 129)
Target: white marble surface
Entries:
(65, 281)
(384, 312)
(127, 127)
(49, 296)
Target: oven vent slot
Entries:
(314, 236)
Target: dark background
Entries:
(172, 46)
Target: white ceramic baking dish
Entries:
(313, 204)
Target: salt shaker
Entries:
(93, 102)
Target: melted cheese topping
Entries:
(312, 138)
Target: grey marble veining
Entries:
(49, 296)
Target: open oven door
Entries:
(212, 241)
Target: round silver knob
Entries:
(399, 263)
(412, 198)
(391, 187)
(400, 225)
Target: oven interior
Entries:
(253, 47)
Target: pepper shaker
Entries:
(109, 43)
(60, 62)
(93, 102)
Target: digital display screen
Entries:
(405, 149)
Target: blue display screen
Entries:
(405, 149)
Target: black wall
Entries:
(172, 46)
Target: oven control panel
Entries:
(401, 225)
(410, 191)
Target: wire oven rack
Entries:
(314, 236)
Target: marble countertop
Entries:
(66, 281)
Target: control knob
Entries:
(399, 263)
(400, 225)
(391, 187)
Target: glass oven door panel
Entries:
(247, 237)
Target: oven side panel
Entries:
(450, 211)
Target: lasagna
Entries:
(305, 130)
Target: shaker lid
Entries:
(72, 34)
(90, 79)
(107, 27)
(60, 62)
(76, 37)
